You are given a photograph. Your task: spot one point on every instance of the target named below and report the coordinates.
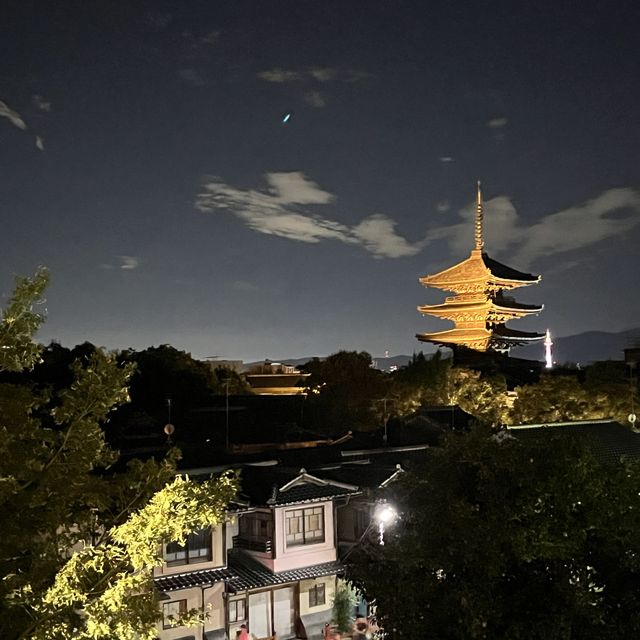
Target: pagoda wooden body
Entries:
(480, 309)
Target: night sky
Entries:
(144, 160)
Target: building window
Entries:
(171, 611)
(316, 595)
(196, 549)
(256, 526)
(305, 526)
(237, 610)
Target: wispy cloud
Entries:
(278, 211)
(129, 263)
(446, 159)
(13, 116)
(41, 104)
(323, 75)
(126, 263)
(200, 43)
(315, 99)
(497, 123)
(310, 79)
(610, 214)
(244, 285)
(280, 76)
(39, 143)
(443, 206)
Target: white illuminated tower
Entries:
(547, 350)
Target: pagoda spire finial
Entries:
(479, 219)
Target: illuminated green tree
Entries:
(502, 540)
(559, 398)
(434, 381)
(60, 494)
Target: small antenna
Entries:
(479, 219)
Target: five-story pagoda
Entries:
(480, 308)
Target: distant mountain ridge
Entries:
(582, 348)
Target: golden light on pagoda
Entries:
(480, 309)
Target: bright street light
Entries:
(384, 515)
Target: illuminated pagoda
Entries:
(480, 309)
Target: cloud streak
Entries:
(315, 99)
(41, 104)
(610, 214)
(310, 79)
(318, 74)
(497, 123)
(13, 116)
(129, 263)
(280, 211)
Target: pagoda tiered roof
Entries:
(479, 309)
(478, 273)
(491, 310)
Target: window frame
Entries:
(182, 608)
(189, 558)
(256, 526)
(316, 590)
(307, 535)
(234, 602)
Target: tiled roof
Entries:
(276, 486)
(250, 574)
(309, 493)
(507, 333)
(244, 573)
(507, 273)
(608, 439)
(192, 579)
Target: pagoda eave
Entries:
(506, 339)
(478, 339)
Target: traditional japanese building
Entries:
(480, 308)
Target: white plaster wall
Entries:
(213, 606)
(329, 591)
(287, 558)
(194, 600)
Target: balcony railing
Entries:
(252, 544)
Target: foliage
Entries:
(435, 381)
(59, 493)
(167, 386)
(424, 381)
(605, 393)
(561, 397)
(343, 603)
(125, 605)
(20, 322)
(346, 392)
(499, 539)
(483, 397)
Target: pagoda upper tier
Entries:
(480, 308)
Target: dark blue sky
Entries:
(144, 161)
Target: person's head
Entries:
(243, 626)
